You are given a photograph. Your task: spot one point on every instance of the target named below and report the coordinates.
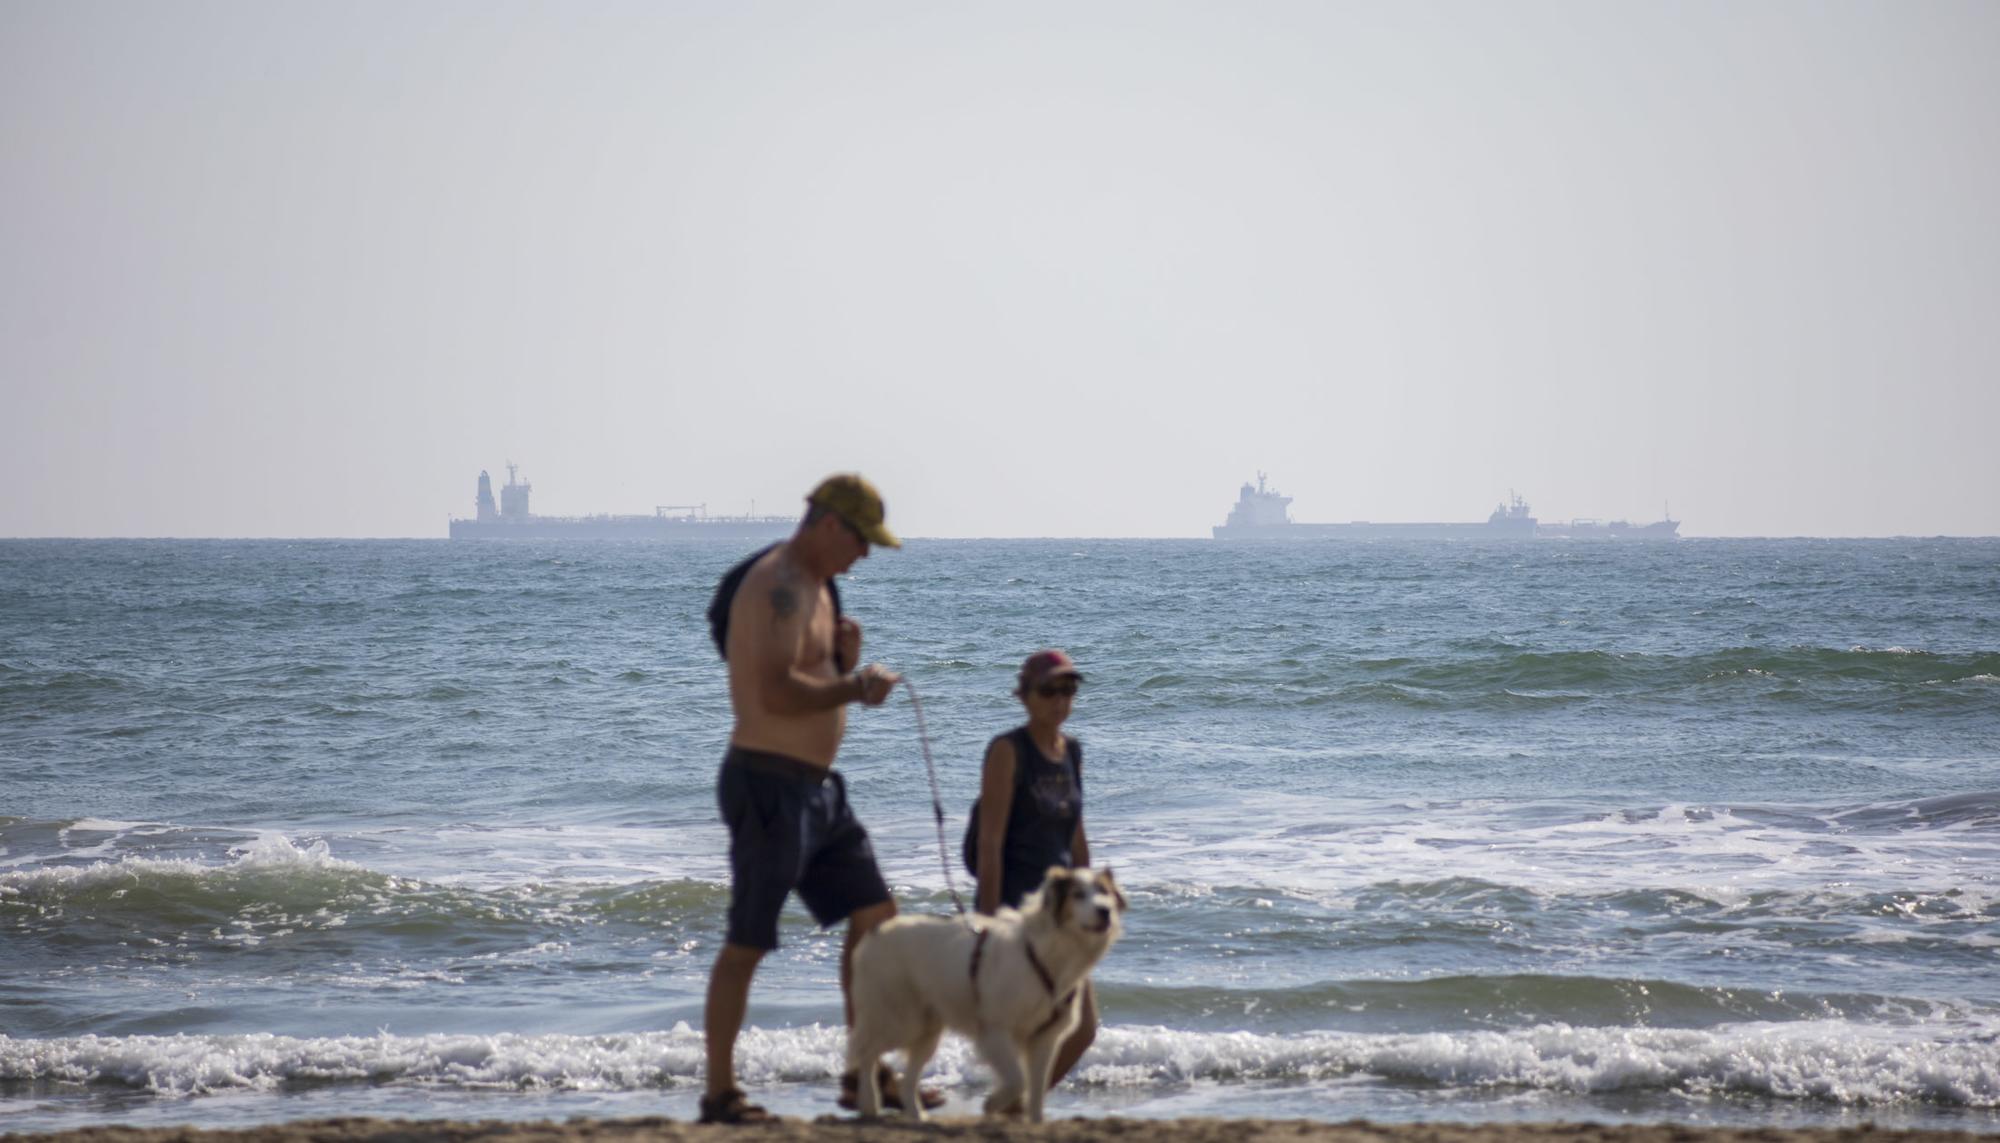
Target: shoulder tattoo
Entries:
(784, 601)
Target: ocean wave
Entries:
(1598, 670)
(1922, 860)
(1503, 678)
(1973, 809)
(1464, 1003)
(1830, 1061)
(53, 682)
(1944, 902)
(40, 693)
(1937, 926)
(275, 887)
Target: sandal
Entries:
(732, 1106)
(892, 1091)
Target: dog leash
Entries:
(937, 798)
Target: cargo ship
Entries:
(510, 519)
(1263, 513)
(1666, 528)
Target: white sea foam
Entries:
(1714, 852)
(1827, 1061)
(100, 825)
(1832, 1061)
(399, 980)
(20, 1106)
(491, 857)
(269, 852)
(1252, 842)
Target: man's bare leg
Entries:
(728, 1000)
(859, 925)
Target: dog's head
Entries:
(1083, 901)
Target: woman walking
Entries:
(1029, 815)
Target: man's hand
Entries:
(876, 683)
(846, 642)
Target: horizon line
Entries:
(683, 541)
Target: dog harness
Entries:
(1034, 962)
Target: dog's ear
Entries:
(1056, 886)
(1109, 884)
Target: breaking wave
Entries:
(1830, 1061)
(276, 886)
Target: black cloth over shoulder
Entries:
(1041, 820)
(725, 596)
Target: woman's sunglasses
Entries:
(1051, 690)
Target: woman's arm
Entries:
(996, 803)
(1079, 846)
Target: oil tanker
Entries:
(1263, 513)
(510, 519)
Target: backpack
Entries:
(725, 595)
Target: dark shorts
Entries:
(790, 828)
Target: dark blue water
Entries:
(1704, 831)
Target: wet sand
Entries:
(1094, 1130)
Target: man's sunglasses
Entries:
(1051, 690)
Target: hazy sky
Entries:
(280, 269)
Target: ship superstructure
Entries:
(1257, 507)
(1263, 513)
(511, 519)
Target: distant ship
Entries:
(1667, 528)
(510, 520)
(1262, 513)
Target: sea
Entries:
(1703, 832)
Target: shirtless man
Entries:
(790, 679)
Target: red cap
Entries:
(1045, 665)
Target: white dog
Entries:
(1011, 983)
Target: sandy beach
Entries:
(1078, 1130)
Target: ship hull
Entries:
(1616, 530)
(659, 528)
(1260, 514)
(1372, 531)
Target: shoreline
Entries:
(831, 1129)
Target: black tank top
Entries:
(1041, 822)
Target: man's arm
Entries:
(782, 611)
(846, 643)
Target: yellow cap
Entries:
(850, 497)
